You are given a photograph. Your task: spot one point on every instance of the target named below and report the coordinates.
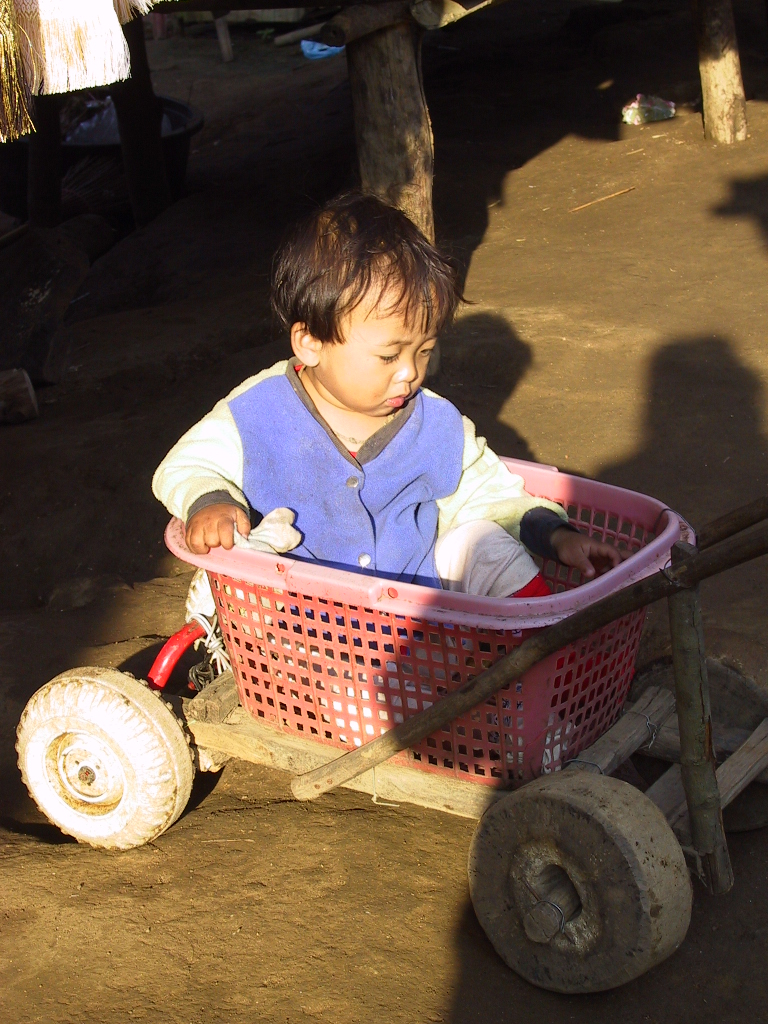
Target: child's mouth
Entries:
(398, 402)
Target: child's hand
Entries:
(577, 550)
(214, 526)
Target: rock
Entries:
(17, 397)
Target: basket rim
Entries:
(411, 600)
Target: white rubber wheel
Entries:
(104, 758)
(618, 868)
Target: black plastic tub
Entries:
(98, 136)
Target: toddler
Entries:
(380, 475)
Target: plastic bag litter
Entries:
(644, 109)
(313, 50)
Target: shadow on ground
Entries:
(693, 384)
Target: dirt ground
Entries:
(624, 341)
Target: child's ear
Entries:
(306, 346)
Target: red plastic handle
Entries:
(172, 650)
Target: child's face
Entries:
(380, 365)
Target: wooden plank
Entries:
(244, 737)
(628, 734)
(744, 766)
(697, 755)
(732, 778)
(215, 702)
(668, 793)
(726, 740)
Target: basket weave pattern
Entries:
(341, 673)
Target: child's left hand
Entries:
(578, 550)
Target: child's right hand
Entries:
(214, 526)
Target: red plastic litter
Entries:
(340, 658)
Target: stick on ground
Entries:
(621, 192)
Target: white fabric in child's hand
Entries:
(275, 534)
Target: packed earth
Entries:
(623, 341)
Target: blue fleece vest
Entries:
(380, 516)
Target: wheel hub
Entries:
(86, 772)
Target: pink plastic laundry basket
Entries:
(340, 657)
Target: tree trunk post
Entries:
(139, 117)
(392, 126)
(722, 89)
(44, 163)
(697, 755)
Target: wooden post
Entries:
(44, 163)
(139, 117)
(392, 126)
(697, 755)
(225, 39)
(722, 90)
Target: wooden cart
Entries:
(581, 881)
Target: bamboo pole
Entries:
(687, 573)
(697, 754)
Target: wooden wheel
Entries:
(579, 882)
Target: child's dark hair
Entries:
(353, 245)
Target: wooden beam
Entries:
(215, 702)
(249, 5)
(139, 118)
(733, 522)
(628, 734)
(392, 127)
(726, 739)
(431, 14)
(297, 34)
(733, 777)
(722, 89)
(225, 39)
(697, 755)
(245, 737)
(744, 766)
(362, 19)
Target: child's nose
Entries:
(407, 371)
